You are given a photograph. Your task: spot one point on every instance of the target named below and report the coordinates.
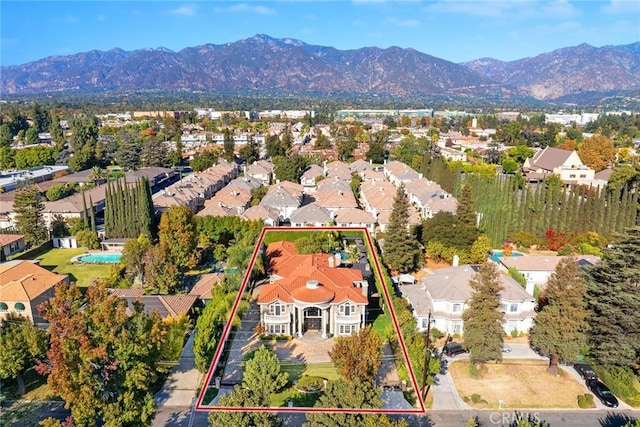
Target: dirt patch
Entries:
(434, 265)
(518, 384)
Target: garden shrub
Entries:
(586, 401)
(436, 333)
(621, 380)
(581, 401)
(310, 384)
(589, 400)
(514, 333)
(475, 398)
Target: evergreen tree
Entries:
(28, 207)
(85, 211)
(466, 211)
(348, 395)
(263, 375)
(108, 210)
(92, 215)
(228, 145)
(560, 325)
(401, 250)
(483, 319)
(375, 153)
(613, 302)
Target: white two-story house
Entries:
(563, 163)
(311, 292)
(446, 293)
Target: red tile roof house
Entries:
(311, 292)
(25, 285)
(11, 244)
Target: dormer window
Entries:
(276, 309)
(347, 309)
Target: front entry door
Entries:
(312, 319)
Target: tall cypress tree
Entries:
(613, 302)
(109, 210)
(401, 250)
(483, 319)
(466, 211)
(122, 211)
(85, 213)
(92, 216)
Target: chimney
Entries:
(530, 287)
(331, 261)
(365, 289)
(456, 260)
(338, 259)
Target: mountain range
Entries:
(262, 63)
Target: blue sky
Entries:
(453, 30)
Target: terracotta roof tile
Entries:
(24, 280)
(296, 270)
(6, 239)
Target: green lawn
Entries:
(382, 323)
(58, 261)
(295, 371)
(288, 235)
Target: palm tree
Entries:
(96, 175)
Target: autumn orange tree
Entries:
(102, 361)
(358, 356)
(597, 152)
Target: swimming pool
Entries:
(496, 255)
(100, 258)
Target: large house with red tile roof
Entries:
(24, 286)
(311, 292)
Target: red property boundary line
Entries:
(225, 335)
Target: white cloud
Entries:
(569, 25)
(403, 22)
(246, 8)
(185, 10)
(559, 9)
(478, 8)
(66, 19)
(621, 6)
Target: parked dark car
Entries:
(453, 349)
(603, 393)
(585, 371)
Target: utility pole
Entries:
(427, 358)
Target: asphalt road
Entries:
(184, 417)
(569, 418)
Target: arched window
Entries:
(347, 309)
(4, 306)
(276, 309)
(19, 306)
